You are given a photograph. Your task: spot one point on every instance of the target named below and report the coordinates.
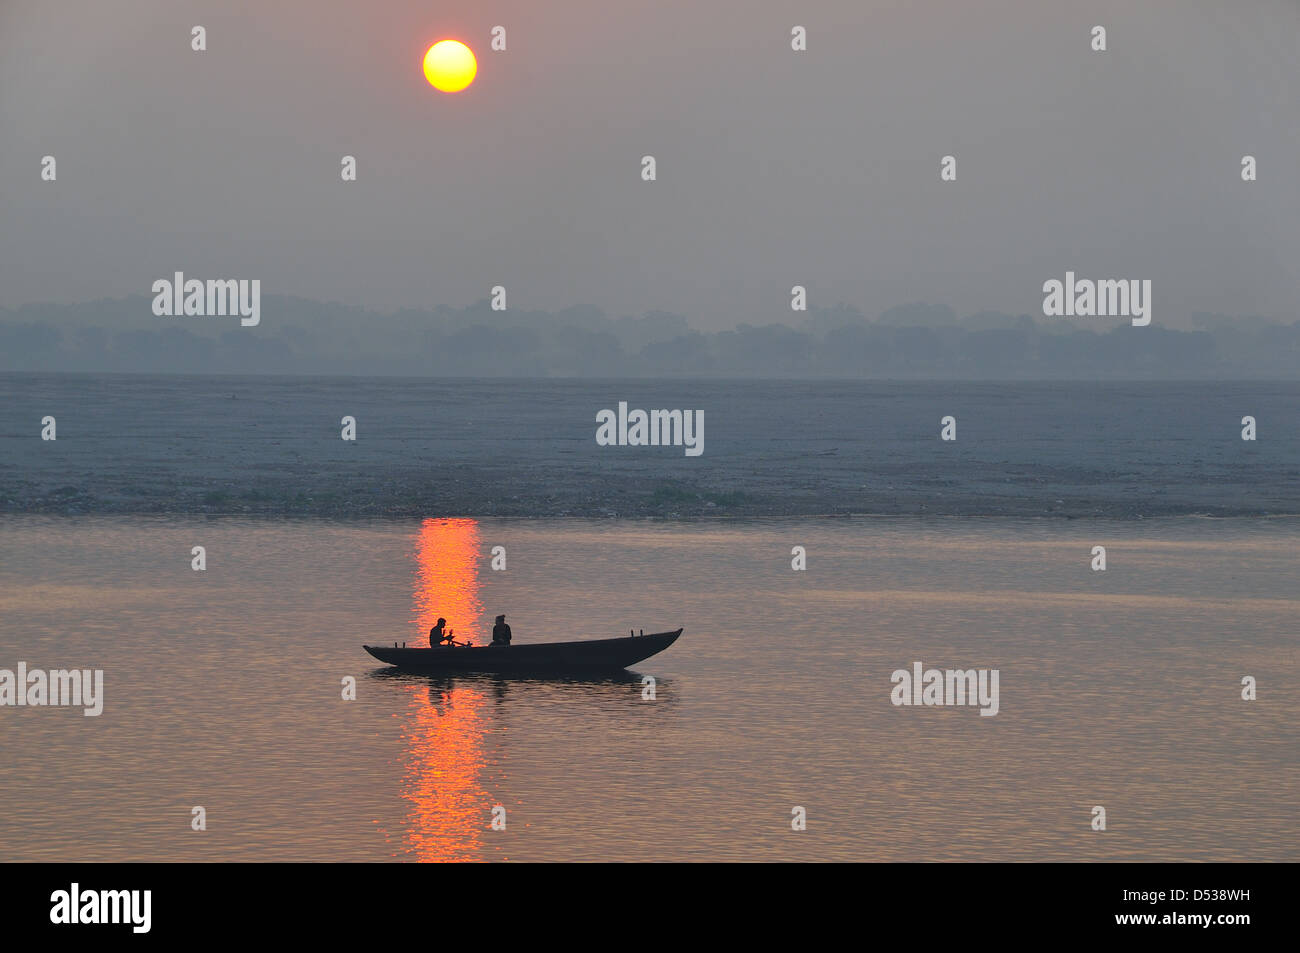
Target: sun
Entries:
(450, 66)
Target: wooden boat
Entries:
(589, 656)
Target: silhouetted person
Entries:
(501, 632)
(437, 636)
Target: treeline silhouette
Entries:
(297, 336)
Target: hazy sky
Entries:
(775, 168)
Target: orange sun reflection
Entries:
(446, 577)
(444, 777)
(450, 808)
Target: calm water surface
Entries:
(223, 688)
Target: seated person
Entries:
(501, 632)
(438, 634)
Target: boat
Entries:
(593, 655)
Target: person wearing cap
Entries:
(501, 632)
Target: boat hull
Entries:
(597, 655)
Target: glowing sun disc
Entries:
(449, 65)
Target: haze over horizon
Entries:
(915, 341)
(775, 168)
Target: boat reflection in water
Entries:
(444, 778)
(455, 737)
(446, 765)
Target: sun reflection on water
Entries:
(445, 759)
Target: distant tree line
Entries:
(297, 336)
